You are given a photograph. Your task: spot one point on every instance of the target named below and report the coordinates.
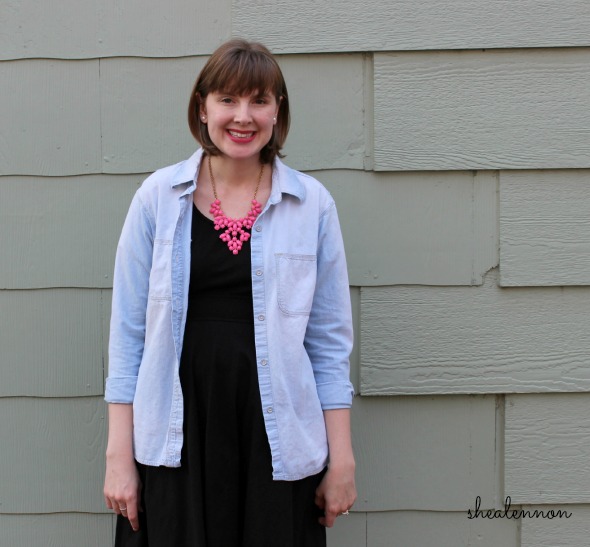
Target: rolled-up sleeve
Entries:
(129, 304)
(329, 337)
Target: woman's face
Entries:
(240, 126)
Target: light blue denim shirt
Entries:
(302, 316)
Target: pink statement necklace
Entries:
(235, 228)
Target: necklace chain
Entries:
(234, 233)
(213, 178)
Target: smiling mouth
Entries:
(238, 135)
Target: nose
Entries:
(242, 112)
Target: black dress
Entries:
(223, 494)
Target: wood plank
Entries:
(401, 443)
(56, 530)
(381, 25)
(438, 529)
(62, 231)
(482, 110)
(144, 105)
(421, 340)
(349, 531)
(54, 461)
(546, 442)
(51, 343)
(416, 228)
(544, 229)
(355, 364)
(43, 104)
(105, 28)
(564, 531)
(327, 115)
(106, 297)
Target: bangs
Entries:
(245, 73)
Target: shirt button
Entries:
(258, 272)
(261, 318)
(264, 362)
(269, 409)
(258, 228)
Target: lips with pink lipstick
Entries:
(241, 136)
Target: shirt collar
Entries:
(284, 179)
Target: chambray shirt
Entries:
(301, 308)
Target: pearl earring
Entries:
(274, 119)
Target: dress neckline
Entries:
(201, 213)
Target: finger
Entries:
(320, 501)
(133, 516)
(120, 507)
(328, 520)
(108, 503)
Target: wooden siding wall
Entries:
(455, 138)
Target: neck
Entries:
(235, 173)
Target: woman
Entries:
(228, 383)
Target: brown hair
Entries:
(241, 68)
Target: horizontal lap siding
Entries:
(106, 301)
(355, 365)
(144, 112)
(439, 529)
(348, 532)
(428, 340)
(144, 105)
(52, 455)
(416, 228)
(544, 228)
(482, 110)
(455, 122)
(419, 228)
(56, 530)
(400, 443)
(547, 439)
(52, 343)
(61, 232)
(128, 115)
(381, 25)
(50, 112)
(562, 531)
(105, 28)
(98, 28)
(326, 100)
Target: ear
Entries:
(202, 109)
(279, 102)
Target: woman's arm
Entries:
(122, 485)
(337, 492)
(328, 342)
(130, 291)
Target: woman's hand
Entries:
(122, 489)
(122, 486)
(335, 494)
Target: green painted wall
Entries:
(453, 135)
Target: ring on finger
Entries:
(345, 513)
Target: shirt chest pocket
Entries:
(296, 277)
